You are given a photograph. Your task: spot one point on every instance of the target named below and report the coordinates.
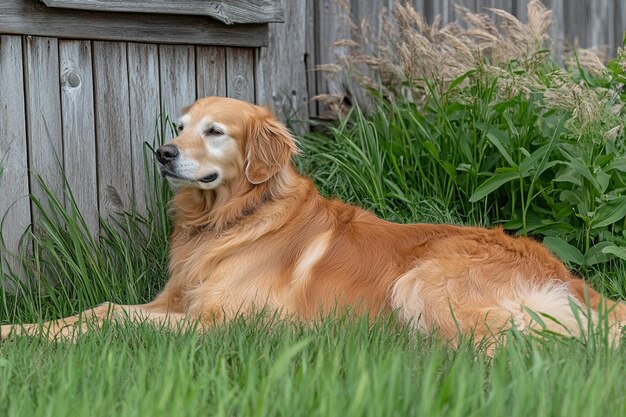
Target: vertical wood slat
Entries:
(558, 28)
(43, 124)
(601, 23)
(328, 29)
(520, 10)
(432, 9)
(310, 57)
(619, 27)
(112, 126)
(281, 73)
(210, 71)
(576, 23)
(144, 108)
(240, 73)
(262, 83)
(368, 20)
(14, 187)
(178, 78)
(373, 14)
(79, 134)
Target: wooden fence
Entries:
(311, 27)
(86, 115)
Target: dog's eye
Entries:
(179, 127)
(213, 131)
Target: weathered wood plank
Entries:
(619, 25)
(309, 57)
(210, 71)
(432, 9)
(32, 17)
(520, 10)
(262, 85)
(14, 203)
(240, 73)
(328, 29)
(601, 24)
(576, 22)
(43, 121)
(227, 11)
(557, 30)
(370, 17)
(143, 77)
(178, 78)
(369, 33)
(79, 134)
(281, 73)
(113, 153)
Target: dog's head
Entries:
(221, 140)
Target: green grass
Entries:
(338, 368)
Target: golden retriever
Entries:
(250, 232)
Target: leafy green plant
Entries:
(494, 127)
(490, 158)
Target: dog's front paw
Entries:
(5, 332)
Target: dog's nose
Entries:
(166, 153)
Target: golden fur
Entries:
(260, 235)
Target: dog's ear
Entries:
(269, 147)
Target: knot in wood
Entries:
(72, 79)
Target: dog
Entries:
(250, 232)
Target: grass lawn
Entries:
(248, 368)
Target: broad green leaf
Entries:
(460, 79)
(577, 165)
(449, 168)
(498, 144)
(464, 168)
(536, 160)
(492, 184)
(603, 159)
(563, 250)
(568, 175)
(552, 227)
(432, 149)
(513, 224)
(618, 164)
(547, 166)
(609, 212)
(570, 197)
(618, 251)
(603, 180)
(596, 255)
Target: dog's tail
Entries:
(566, 308)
